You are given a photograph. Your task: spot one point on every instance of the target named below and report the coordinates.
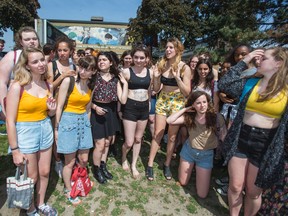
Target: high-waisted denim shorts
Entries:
(74, 133)
(34, 136)
(201, 158)
(253, 143)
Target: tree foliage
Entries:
(218, 24)
(17, 13)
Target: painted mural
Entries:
(95, 35)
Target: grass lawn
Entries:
(123, 195)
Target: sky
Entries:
(110, 10)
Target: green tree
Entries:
(17, 13)
(165, 18)
(217, 24)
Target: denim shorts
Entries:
(74, 133)
(201, 158)
(34, 136)
(253, 143)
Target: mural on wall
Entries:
(95, 35)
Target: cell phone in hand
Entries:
(105, 110)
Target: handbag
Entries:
(20, 189)
(80, 182)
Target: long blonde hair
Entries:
(279, 81)
(179, 48)
(22, 75)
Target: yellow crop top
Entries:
(32, 108)
(273, 108)
(77, 102)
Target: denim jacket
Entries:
(271, 169)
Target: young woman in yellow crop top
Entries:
(176, 78)
(255, 157)
(72, 125)
(29, 128)
(205, 128)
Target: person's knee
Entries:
(172, 138)
(44, 172)
(158, 135)
(138, 140)
(252, 194)
(69, 164)
(128, 143)
(235, 187)
(183, 181)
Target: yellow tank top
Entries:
(32, 108)
(77, 102)
(273, 108)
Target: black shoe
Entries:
(167, 173)
(104, 170)
(98, 175)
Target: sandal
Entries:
(167, 172)
(149, 173)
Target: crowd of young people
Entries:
(76, 102)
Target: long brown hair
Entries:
(210, 115)
(279, 80)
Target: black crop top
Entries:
(136, 82)
(168, 81)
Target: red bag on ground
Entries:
(80, 182)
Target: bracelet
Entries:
(12, 149)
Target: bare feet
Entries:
(135, 173)
(125, 165)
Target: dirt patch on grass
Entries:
(124, 195)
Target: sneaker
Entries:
(223, 190)
(47, 210)
(74, 201)
(33, 213)
(222, 181)
(59, 168)
(3, 133)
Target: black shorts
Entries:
(136, 110)
(253, 143)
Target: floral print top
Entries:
(105, 91)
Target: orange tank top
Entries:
(77, 102)
(32, 108)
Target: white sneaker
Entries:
(58, 168)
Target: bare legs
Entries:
(133, 137)
(202, 177)
(243, 174)
(70, 160)
(160, 124)
(38, 169)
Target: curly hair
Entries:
(64, 39)
(279, 80)
(22, 74)
(113, 68)
(179, 48)
(210, 115)
(88, 62)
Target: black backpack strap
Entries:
(70, 90)
(54, 67)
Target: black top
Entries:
(136, 82)
(168, 81)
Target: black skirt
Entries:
(105, 125)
